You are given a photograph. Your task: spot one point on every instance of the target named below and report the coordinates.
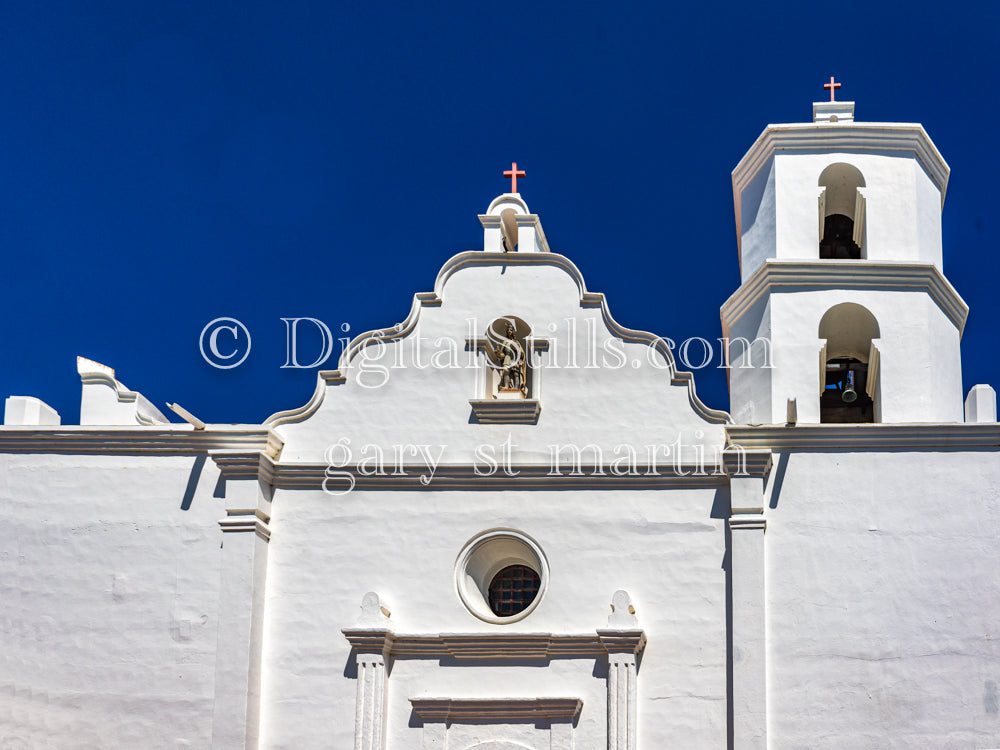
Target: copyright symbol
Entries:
(225, 339)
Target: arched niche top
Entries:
(841, 181)
(507, 201)
(849, 330)
(498, 328)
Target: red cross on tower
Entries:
(514, 173)
(832, 86)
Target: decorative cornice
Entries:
(470, 646)
(514, 411)
(622, 641)
(247, 519)
(452, 710)
(856, 137)
(748, 522)
(128, 440)
(739, 462)
(794, 275)
(463, 477)
(371, 640)
(475, 258)
(843, 437)
(244, 465)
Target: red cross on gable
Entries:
(514, 173)
(832, 86)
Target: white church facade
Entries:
(510, 523)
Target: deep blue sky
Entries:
(166, 163)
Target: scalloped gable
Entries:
(402, 386)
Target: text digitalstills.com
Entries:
(225, 343)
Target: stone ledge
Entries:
(449, 710)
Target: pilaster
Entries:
(245, 536)
(623, 641)
(372, 643)
(747, 472)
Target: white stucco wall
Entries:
(895, 227)
(109, 591)
(750, 393)
(666, 548)
(757, 220)
(882, 603)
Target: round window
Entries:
(501, 575)
(513, 589)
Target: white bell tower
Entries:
(843, 295)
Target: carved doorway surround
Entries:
(440, 715)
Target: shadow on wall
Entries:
(192, 485)
(778, 480)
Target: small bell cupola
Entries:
(508, 225)
(843, 304)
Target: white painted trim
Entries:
(871, 385)
(822, 217)
(788, 275)
(822, 368)
(859, 220)
(956, 435)
(126, 439)
(496, 645)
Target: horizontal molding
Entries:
(794, 275)
(243, 464)
(854, 137)
(452, 710)
(754, 463)
(473, 646)
(747, 522)
(622, 641)
(514, 411)
(455, 477)
(819, 437)
(247, 519)
(128, 440)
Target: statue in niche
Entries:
(513, 367)
(511, 363)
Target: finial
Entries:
(622, 615)
(832, 86)
(374, 612)
(514, 173)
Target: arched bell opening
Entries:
(845, 398)
(508, 228)
(849, 362)
(841, 213)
